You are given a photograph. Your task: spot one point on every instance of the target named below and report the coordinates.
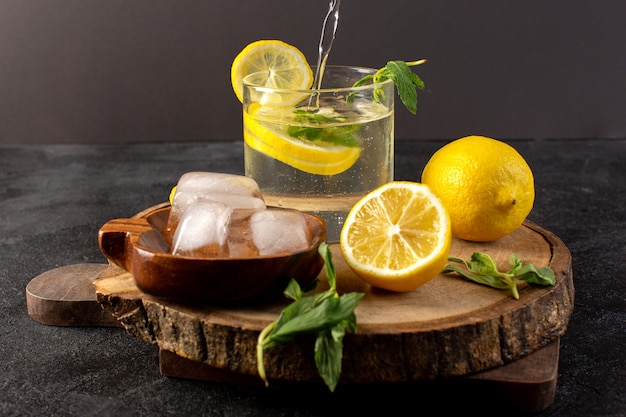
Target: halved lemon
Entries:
(319, 158)
(279, 65)
(397, 237)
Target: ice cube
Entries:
(236, 191)
(201, 231)
(234, 201)
(217, 182)
(185, 199)
(239, 236)
(277, 231)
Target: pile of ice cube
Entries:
(224, 215)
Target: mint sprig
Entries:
(481, 268)
(327, 315)
(406, 81)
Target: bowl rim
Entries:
(315, 238)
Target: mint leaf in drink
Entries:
(406, 81)
(327, 315)
(337, 135)
(481, 268)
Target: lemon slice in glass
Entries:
(276, 65)
(397, 237)
(320, 158)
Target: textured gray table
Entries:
(54, 198)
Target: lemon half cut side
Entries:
(397, 237)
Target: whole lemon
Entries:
(486, 186)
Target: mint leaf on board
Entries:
(293, 290)
(329, 266)
(541, 276)
(406, 81)
(488, 280)
(481, 268)
(315, 317)
(329, 354)
(327, 315)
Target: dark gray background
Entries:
(159, 70)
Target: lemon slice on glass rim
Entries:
(397, 237)
(276, 64)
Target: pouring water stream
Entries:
(329, 29)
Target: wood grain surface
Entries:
(448, 327)
(65, 296)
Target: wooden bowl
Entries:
(137, 245)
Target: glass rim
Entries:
(363, 87)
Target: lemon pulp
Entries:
(397, 237)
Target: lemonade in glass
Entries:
(319, 150)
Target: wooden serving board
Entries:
(449, 327)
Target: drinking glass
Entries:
(320, 150)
